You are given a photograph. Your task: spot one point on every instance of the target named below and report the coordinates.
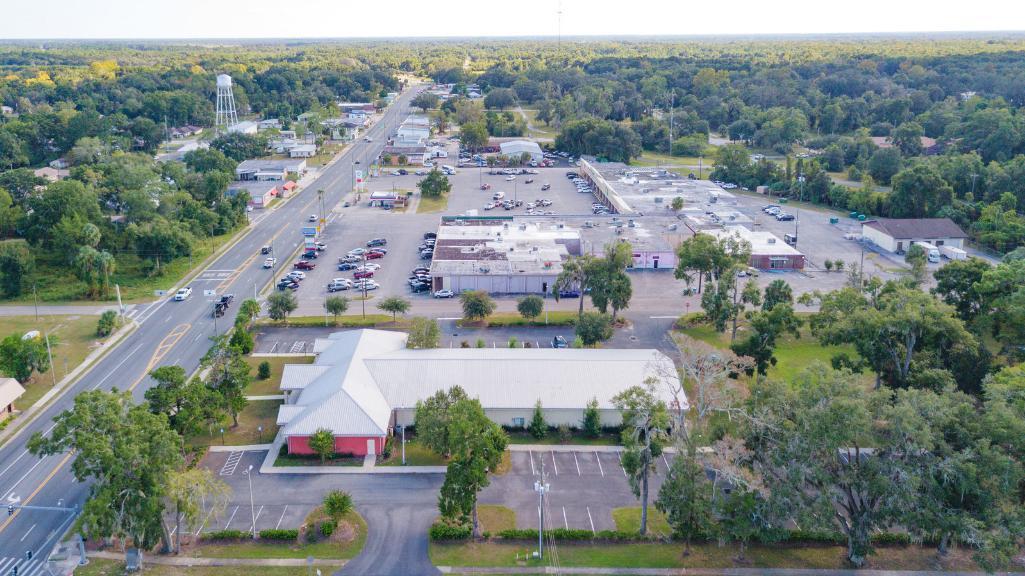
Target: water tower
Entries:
(226, 115)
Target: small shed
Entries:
(10, 390)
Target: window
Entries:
(518, 422)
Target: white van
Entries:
(498, 195)
(931, 252)
(449, 170)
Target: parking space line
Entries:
(600, 469)
(257, 517)
(278, 525)
(564, 520)
(666, 461)
(530, 454)
(273, 346)
(621, 467)
(207, 519)
(554, 464)
(577, 462)
(591, 520)
(233, 512)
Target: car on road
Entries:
(510, 178)
(546, 186)
(226, 300)
(403, 172)
(288, 284)
(304, 265)
(368, 139)
(395, 173)
(560, 342)
(183, 294)
(297, 275)
(376, 242)
(266, 250)
(360, 274)
(444, 294)
(569, 293)
(339, 284)
(270, 262)
(312, 218)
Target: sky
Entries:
(417, 18)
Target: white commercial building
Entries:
(500, 255)
(364, 383)
(768, 251)
(896, 235)
(516, 148)
(244, 127)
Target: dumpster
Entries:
(854, 215)
(861, 217)
(834, 220)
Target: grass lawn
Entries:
(494, 518)
(430, 205)
(553, 438)
(350, 321)
(540, 129)
(75, 337)
(271, 385)
(416, 454)
(324, 549)
(101, 567)
(655, 159)
(703, 555)
(257, 413)
(629, 520)
(792, 354)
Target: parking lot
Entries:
(585, 486)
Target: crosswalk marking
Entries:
(34, 567)
(231, 463)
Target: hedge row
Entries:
(279, 534)
(227, 535)
(440, 531)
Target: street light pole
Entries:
(252, 506)
(541, 487)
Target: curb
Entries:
(244, 448)
(29, 415)
(186, 561)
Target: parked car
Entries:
(546, 186)
(485, 186)
(374, 255)
(320, 246)
(419, 287)
(297, 275)
(528, 181)
(376, 242)
(183, 294)
(420, 270)
(357, 251)
(288, 284)
(270, 262)
(304, 265)
(367, 284)
(560, 342)
(343, 266)
(430, 235)
(312, 218)
(309, 255)
(339, 284)
(378, 251)
(569, 293)
(443, 294)
(362, 274)
(784, 217)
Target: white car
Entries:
(444, 294)
(546, 202)
(357, 251)
(510, 178)
(489, 206)
(367, 284)
(312, 218)
(396, 173)
(368, 139)
(368, 268)
(270, 262)
(297, 275)
(182, 293)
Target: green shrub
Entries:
(337, 503)
(226, 535)
(480, 343)
(279, 534)
(263, 370)
(328, 528)
(442, 531)
(106, 323)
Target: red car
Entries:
(374, 255)
(364, 274)
(485, 186)
(304, 265)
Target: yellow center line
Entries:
(37, 490)
(162, 349)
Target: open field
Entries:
(431, 205)
(272, 549)
(257, 414)
(75, 338)
(629, 520)
(416, 454)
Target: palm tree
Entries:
(574, 276)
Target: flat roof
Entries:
(762, 243)
(646, 235)
(650, 190)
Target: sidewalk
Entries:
(705, 571)
(189, 562)
(61, 309)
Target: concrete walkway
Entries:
(188, 562)
(60, 309)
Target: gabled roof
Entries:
(910, 228)
(10, 390)
(360, 376)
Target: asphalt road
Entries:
(169, 333)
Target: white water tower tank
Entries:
(223, 81)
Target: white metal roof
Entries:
(519, 146)
(10, 390)
(360, 376)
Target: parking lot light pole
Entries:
(252, 506)
(402, 429)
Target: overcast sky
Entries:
(404, 18)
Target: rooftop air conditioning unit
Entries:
(523, 225)
(771, 241)
(561, 225)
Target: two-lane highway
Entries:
(169, 333)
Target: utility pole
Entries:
(974, 176)
(672, 104)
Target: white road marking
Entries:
(554, 464)
(257, 517)
(112, 372)
(455, 318)
(10, 492)
(621, 467)
(589, 519)
(664, 460)
(564, 520)
(205, 520)
(577, 462)
(278, 525)
(231, 518)
(33, 527)
(663, 317)
(530, 455)
(600, 469)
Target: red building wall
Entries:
(356, 445)
(764, 262)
